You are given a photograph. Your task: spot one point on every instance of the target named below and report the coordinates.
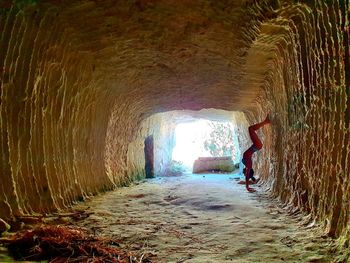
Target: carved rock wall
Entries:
(50, 113)
(305, 49)
(80, 81)
(162, 127)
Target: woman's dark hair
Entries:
(251, 173)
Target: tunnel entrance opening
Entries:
(149, 156)
(167, 143)
(204, 138)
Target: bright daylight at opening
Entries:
(204, 138)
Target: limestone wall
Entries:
(304, 50)
(50, 114)
(162, 127)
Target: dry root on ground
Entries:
(66, 244)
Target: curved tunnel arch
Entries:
(78, 79)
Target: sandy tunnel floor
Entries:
(203, 218)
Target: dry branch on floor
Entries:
(22, 222)
(66, 244)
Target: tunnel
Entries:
(92, 90)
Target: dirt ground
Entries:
(204, 218)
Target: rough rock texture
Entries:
(162, 127)
(80, 78)
(224, 164)
(305, 50)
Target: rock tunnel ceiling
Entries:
(80, 81)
